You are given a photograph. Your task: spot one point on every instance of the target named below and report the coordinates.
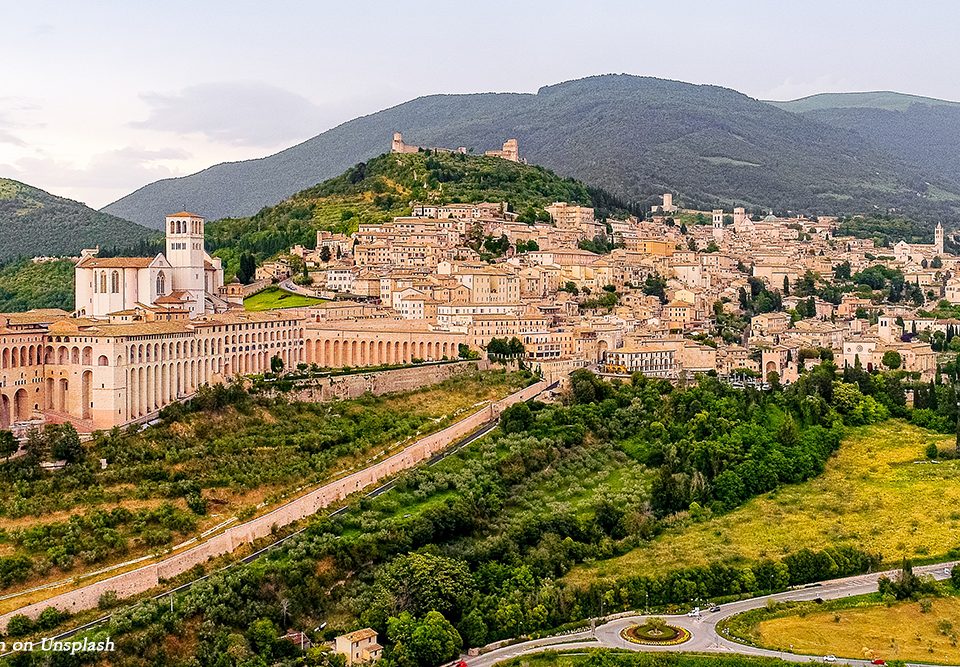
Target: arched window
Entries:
(103, 282)
(161, 284)
(115, 282)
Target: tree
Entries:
(64, 442)
(325, 255)
(248, 268)
(428, 642)
(276, 363)
(517, 418)
(8, 444)
(892, 359)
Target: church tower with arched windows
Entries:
(184, 279)
(186, 255)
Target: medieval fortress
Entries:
(510, 150)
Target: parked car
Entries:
(830, 658)
(694, 612)
(878, 661)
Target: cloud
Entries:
(235, 113)
(10, 109)
(6, 137)
(122, 169)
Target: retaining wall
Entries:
(144, 578)
(380, 382)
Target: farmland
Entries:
(877, 494)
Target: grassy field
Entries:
(228, 460)
(274, 298)
(609, 658)
(877, 494)
(867, 630)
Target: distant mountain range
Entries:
(34, 222)
(636, 137)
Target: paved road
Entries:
(703, 630)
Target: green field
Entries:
(877, 494)
(610, 658)
(860, 628)
(274, 298)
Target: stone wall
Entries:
(144, 578)
(381, 382)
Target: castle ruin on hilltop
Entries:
(509, 151)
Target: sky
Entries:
(100, 98)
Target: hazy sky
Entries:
(99, 98)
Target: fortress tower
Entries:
(718, 225)
(668, 206)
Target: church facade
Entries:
(184, 277)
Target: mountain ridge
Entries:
(633, 136)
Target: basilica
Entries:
(184, 278)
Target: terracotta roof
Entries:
(184, 214)
(115, 262)
(39, 316)
(358, 635)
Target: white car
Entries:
(694, 612)
(830, 658)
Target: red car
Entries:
(878, 661)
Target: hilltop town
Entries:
(677, 292)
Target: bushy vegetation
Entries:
(483, 537)
(25, 286)
(225, 451)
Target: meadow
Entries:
(274, 298)
(862, 628)
(878, 494)
(610, 658)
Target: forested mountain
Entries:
(922, 130)
(383, 187)
(634, 136)
(34, 222)
(880, 99)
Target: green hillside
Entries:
(384, 187)
(25, 286)
(34, 222)
(879, 99)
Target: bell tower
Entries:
(186, 255)
(938, 239)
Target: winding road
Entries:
(703, 629)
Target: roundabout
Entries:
(655, 632)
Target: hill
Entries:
(634, 136)
(880, 99)
(383, 187)
(25, 286)
(34, 222)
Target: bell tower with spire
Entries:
(938, 239)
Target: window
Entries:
(161, 284)
(103, 282)
(115, 282)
